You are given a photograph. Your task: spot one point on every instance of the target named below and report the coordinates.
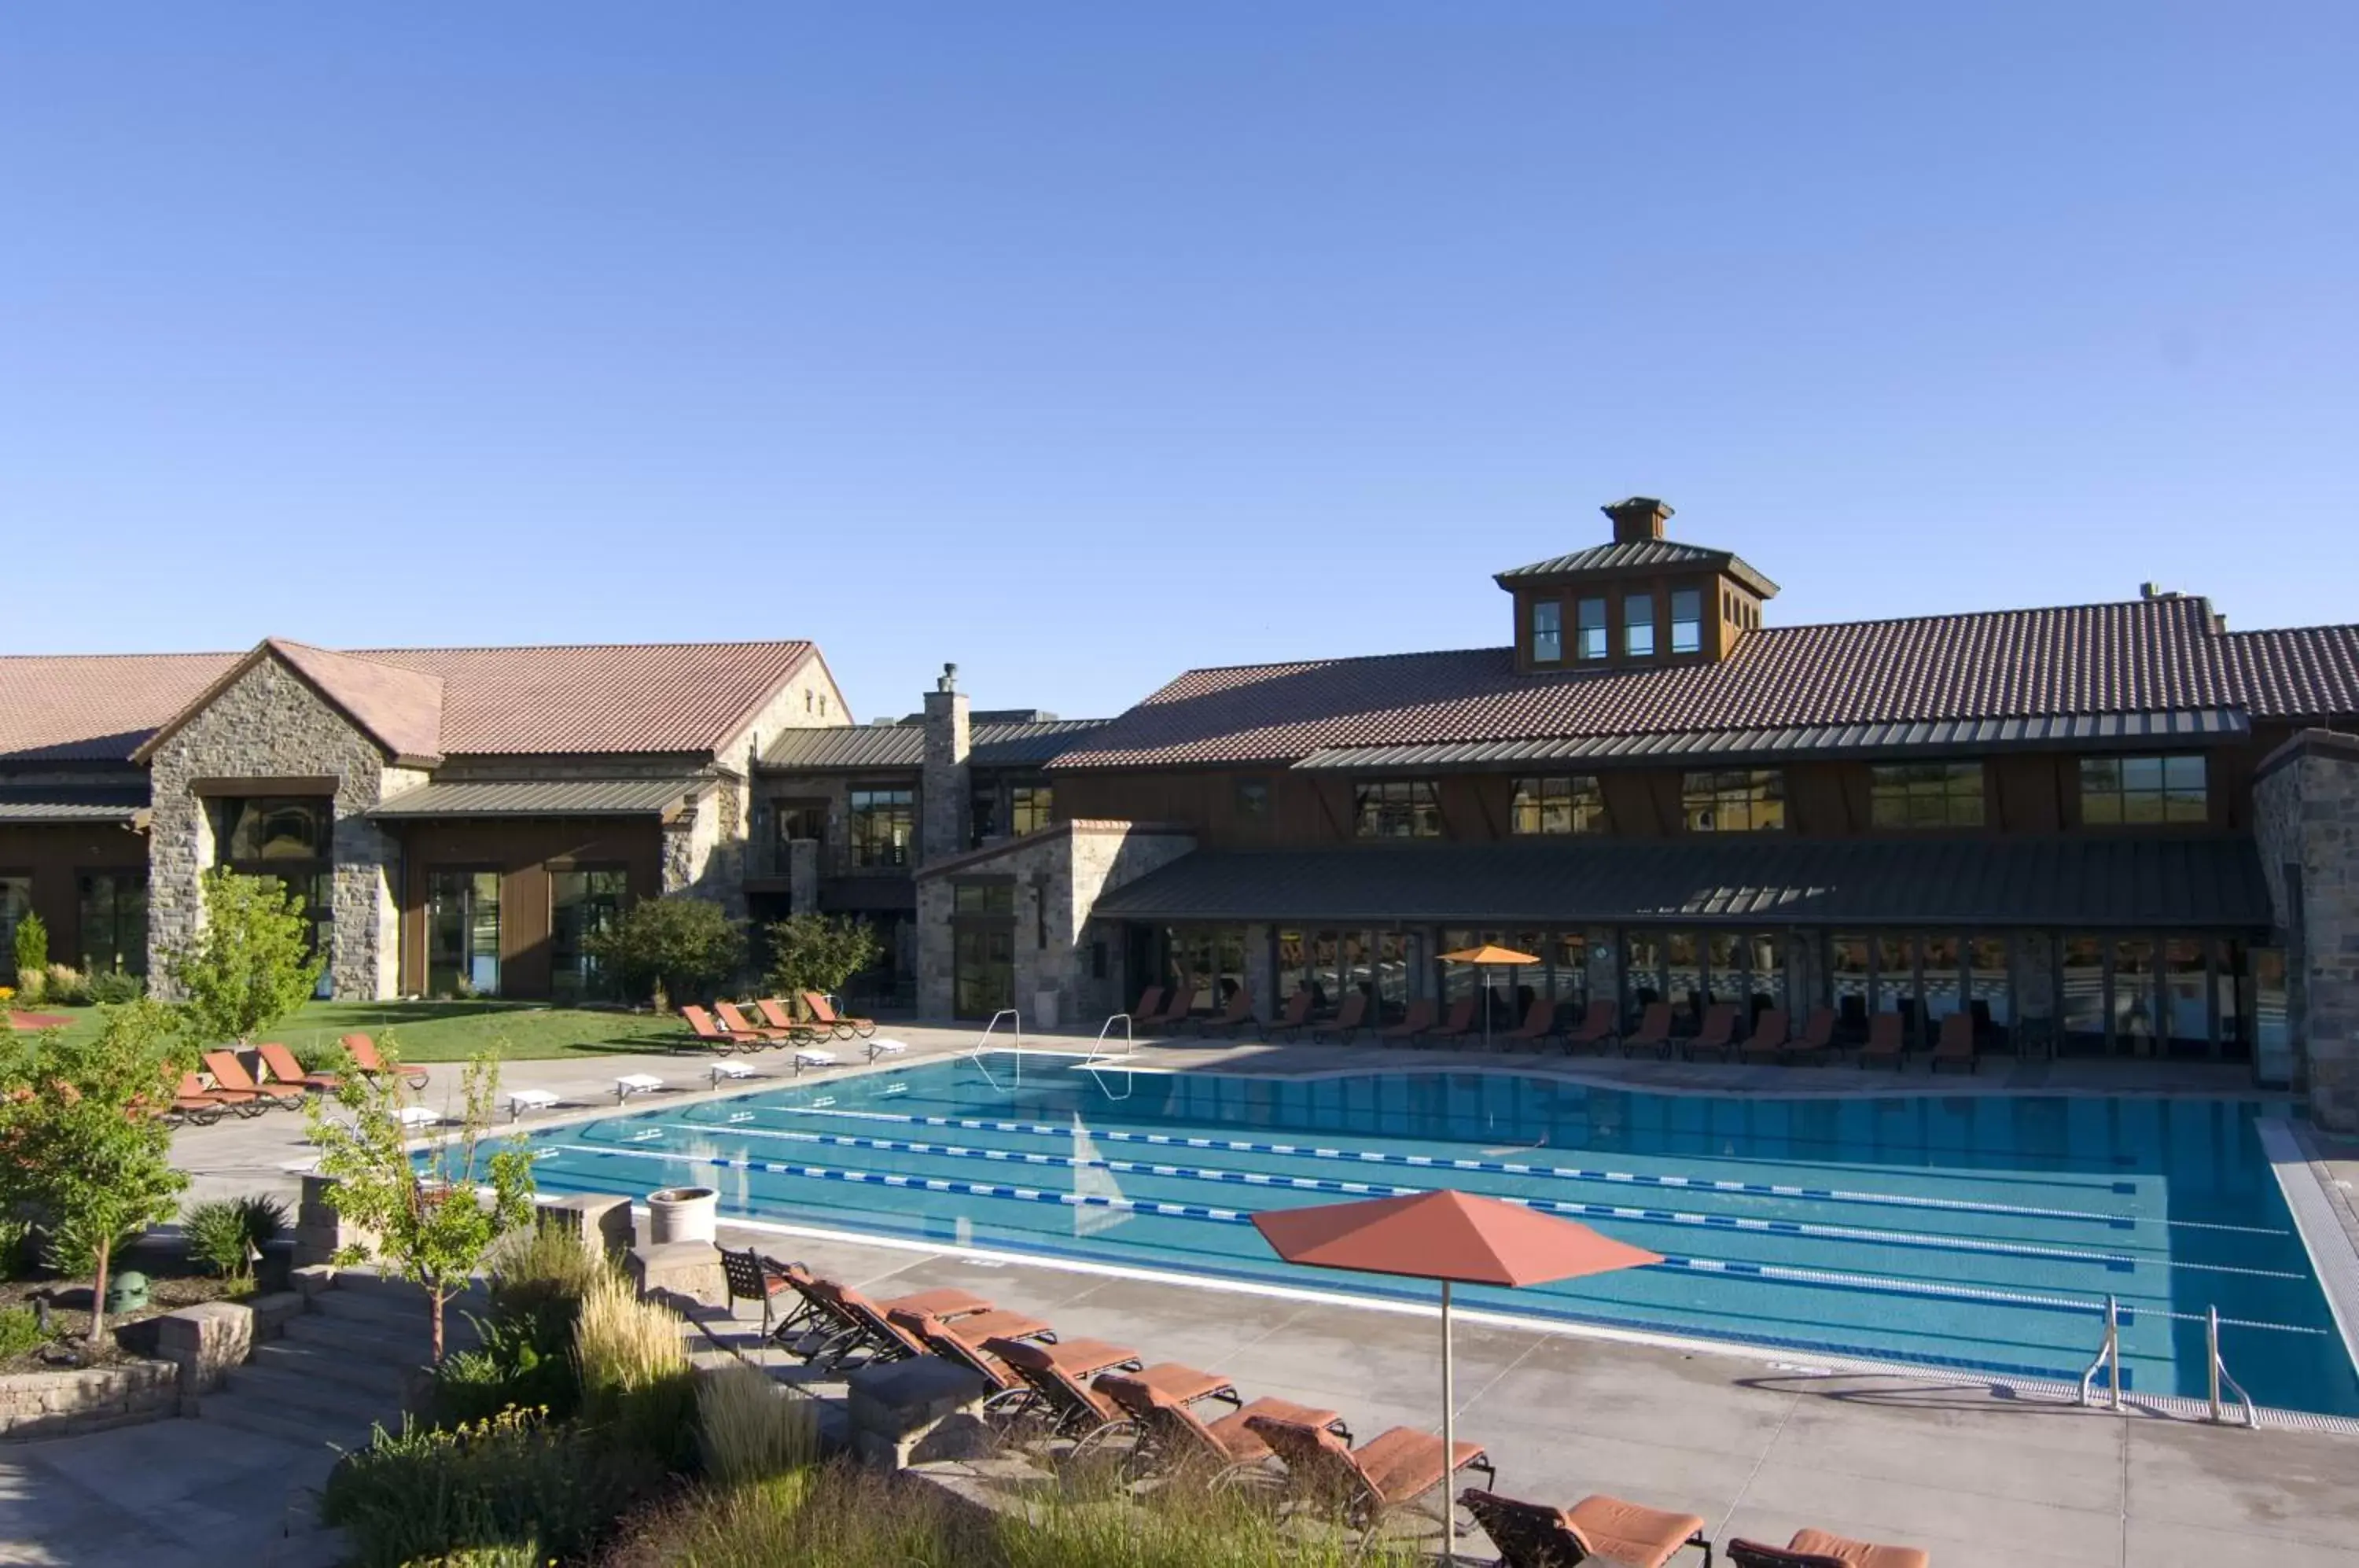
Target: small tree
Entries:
(32, 954)
(79, 1143)
(251, 965)
(672, 947)
(431, 1223)
(812, 952)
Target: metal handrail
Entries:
(2219, 1372)
(2109, 1355)
(984, 1041)
(1097, 1055)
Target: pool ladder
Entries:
(2109, 1361)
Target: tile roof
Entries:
(1630, 555)
(422, 703)
(543, 797)
(2142, 656)
(95, 707)
(2084, 880)
(903, 745)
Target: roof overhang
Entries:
(659, 798)
(66, 805)
(2088, 732)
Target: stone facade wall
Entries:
(62, 1404)
(271, 724)
(1604, 964)
(942, 797)
(2306, 820)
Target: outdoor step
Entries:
(394, 1344)
(317, 1548)
(334, 1364)
(339, 1402)
(304, 1428)
(384, 1302)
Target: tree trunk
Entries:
(98, 1299)
(434, 1307)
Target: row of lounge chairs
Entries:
(1163, 1419)
(725, 1028)
(1773, 1036)
(281, 1084)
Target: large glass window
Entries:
(1642, 968)
(1589, 628)
(114, 921)
(1990, 995)
(2187, 993)
(1734, 799)
(276, 828)
(2084, 992)
(884, 824)
(2138, 791)
(2133, 995)
(982, 813)
(1030, 806)
(990, 900)
(1683, 973)
(463, 932)
(1547, 632)
(1927, 795)
(1895, 977)
(1396, 808)
(582, 903)
(16, 903)
(1567, 805)
(1638, 624)
(1847, 964)
(1686, 620)
(983, 970)
(1569, 968)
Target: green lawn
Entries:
(453, 1031)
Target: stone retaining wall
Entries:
(65, 1404)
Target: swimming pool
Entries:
(1977, 1233)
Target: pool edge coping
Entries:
(2294, 1159)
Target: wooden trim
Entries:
(317, 784)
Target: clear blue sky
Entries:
(1082, 342)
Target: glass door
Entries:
(983, 979)
(580, 905)
(463, 933)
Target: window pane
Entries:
(1547, 632)
(1638, 624)
(2142, 773)
(1686, 620)
(1591, 622)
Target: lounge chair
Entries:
(862, 1324)
(1534, 1535)
(1600, 1026)
(844, 1026)
(362, 1050)
(1717, 1034)
(280, 1064)
(709, 1034)
(1167, 1435)
(1771, 1032)
(1955, 1044)
(1460, 1022)
(1011, 1397)
(1177, 1009)
(1421, 1016)
(1887, 1040)
(776, 1014)
(229, 1074)
(1291, 1017)
(1652, 1033)
(735, 1020)
(1817, 1040)
(1231, 1017)
(192, 1102)
(1149, 1002)
(1368, 1484)
(1060, 1377)
(750, 1277)
(1817, 1549)
(1348, 1020)
(1540, 1022)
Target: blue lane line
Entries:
(1494, 1167)
(2112, 1262)
(1870, 1284)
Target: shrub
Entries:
(539, 1275)
(837, 1516)
(112, 987)
(637, 1389)
(750, 1428)
(20, 1330)
(323, 1056)
(63, 986)
(512, 1483)
(676, 948)
(250, 964)
(220, 1231)
(32, 955)
(536, 1265)
(812, 951)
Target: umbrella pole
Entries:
(1449, 1439)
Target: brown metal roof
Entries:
(848, 748)
(2088, 880)
(68, 804)
(1640, 555)
(2143, 656)
(617, 698)
(543, 798)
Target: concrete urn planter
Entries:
(683, 1214)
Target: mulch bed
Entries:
(173, 1282)
(37, 1021)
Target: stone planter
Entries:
(683, 1214)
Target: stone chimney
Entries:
(943, 803)
(1638, 520)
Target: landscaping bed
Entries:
(453, 1032)
(174, 1281)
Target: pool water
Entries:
(1979, 1233)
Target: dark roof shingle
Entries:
(2142, 656)
(1631, 555)
(903, 745)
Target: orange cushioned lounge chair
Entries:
(362, 1050)
(1887, 1040)
(846, 1026)
(1460, 1023)
(1817, 1549)
(732, 1019)
(1540, 1022)
(1011, 1399)
(1955, 1044)
(1599, 1026)
(1388, 1471)
(775, 1013)
(710, 1033)
(1236, 1016)
(280, 1064)
(858, 1325)
(1149, 1001)
(1717, 1036)
(1652, 1033)
(1770, 1033)
(1817, 1040)
(1533, 1535)
(229, 1074)
(1421, 1016)
(1061, 1376)
(1168, 1435)
(1348, 1020)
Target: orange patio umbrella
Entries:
(1486, 956)
(1457, 1238)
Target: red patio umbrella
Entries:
(1457, 1238)
(1484, 958)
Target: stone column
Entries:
(802, 876)
(1604, 947)
(1261, 972)
(943, 803)
(2306, 823)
